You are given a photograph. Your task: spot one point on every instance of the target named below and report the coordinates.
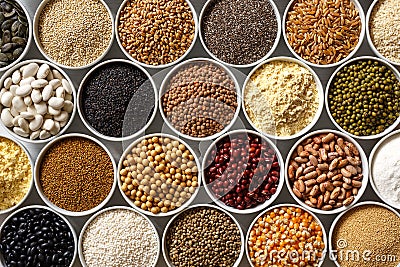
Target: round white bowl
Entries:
(80, 243)
(31, 183)
(128, 150)
(364, 166)
(71, 228)
(80, 98)
(28, 42)
(333, 225)
(163, 90)
(273, 48)
(360, 39)
(260, 206)
(325, 239)
(376, 149)
(369, 137)
(164, 237)
(38, 186)
(369, 39)
(40, 47)
(160, 66)
(320, 98)
(9, 72)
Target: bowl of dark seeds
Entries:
(16, 36)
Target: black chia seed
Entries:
(117, 99)
(239, 32)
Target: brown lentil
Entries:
(200, 99)
(159, 175)
(203, 236)
(156, 32)
(75, 33)
(323, 32)
(76, 174)
(367, 228)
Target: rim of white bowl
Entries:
(160, 66)
(320, 90)
(173, 219)
(325, 237)
(113, 208)
(40, 47)
(38, 186)
(163, 89)
(272, 50)
(352, 53)
(71, 228)
(364, 164)
(260, 206)
(80, 98)
(9, 72)
(128, 151)
(327, 106)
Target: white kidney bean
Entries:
(43, 71)
(34, 135)
(55, 83)
(30, 70)
(6, 99)
(24, 90)
(36, 96)
(20, 131)
(23, 124)
(6, 117)
(48, 124)
(27, 115)
(63, 116)
(44, 134)
(7, 83)
(56, 102)
(26, 81)
(66, 86)
(16, 77)
(47, 92)
(41, 108)
(18, 104)
(53, 111)
(36, 123)
(39, 83)
(56, 128)
(28, 100)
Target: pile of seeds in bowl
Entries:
(325, 171)
(117, 99)
(200, 99)
(16, 173)
(36, 101)
(203, 236)
(156, 32)
(120, 237)
(222, 30)
(286, 236)
(14, 32)
(159, 174)
(37, 237)
(76, 174)
(242, 170)
(323, 32)
(74, 33)
(364, 96)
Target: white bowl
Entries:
(80, 98)
(273, 48)
(128, 150)
(40, 47)
(364, 166)
(260, 206)
(369, 137)
(325, 239)
(28, 42)
(320, 98)
(160, 66)
(333, 225)
(9, 72)
(31, 183)
(80, 244)
(164, 237)
(71, 228)
(376, 149)
(176, 69)
(360, 39)
(38, 186)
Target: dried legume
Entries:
(364, 97)
(76, 174)
(242, 170)
(74, 33)
(16, 173)
(120, 237)
(286, 236)
(203, 236)
(223, 31)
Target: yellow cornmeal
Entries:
(15, 173)
(281, 98)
